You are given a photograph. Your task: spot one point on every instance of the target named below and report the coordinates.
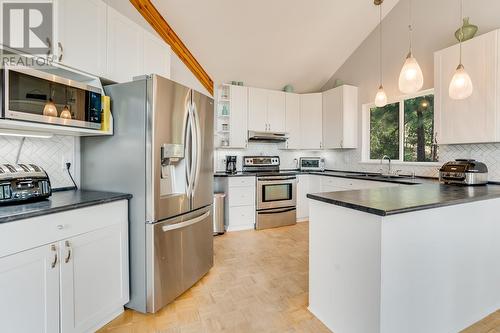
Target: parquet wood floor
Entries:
(258, 284)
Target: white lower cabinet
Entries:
(85, 295)
(317, 183)
(240, 203)
(77, 282)
(29, 282)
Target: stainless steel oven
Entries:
(276, 201)
(276, 192)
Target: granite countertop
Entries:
(342, 174)
(402, 199)
(58, 202)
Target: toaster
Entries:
(23, 182)
(464, 172)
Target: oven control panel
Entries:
(261, 161)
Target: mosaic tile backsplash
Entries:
(47, 153)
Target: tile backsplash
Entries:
(488, 153)
(47, 153)
(350, 160)
(288, 158)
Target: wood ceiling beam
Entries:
(156, 20)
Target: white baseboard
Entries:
(304, 219)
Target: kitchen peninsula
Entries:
(404, 259)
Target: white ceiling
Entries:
(269, 43)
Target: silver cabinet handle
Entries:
(186, 223)
(61, 50)
(68, 257)
(54, 262)
(60, 226)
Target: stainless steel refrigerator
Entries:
(162, 153)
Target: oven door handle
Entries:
(276, 211)
(275, 179)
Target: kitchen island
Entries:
(407, 259)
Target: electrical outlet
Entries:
(64, 160)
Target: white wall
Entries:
(181, 74)
(434, 25)
(50, 154)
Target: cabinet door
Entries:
(81, 32)
(125, 57)
(302, 200)
(156, 55)
(474, 119)
(257, 109)
(292, 125)
(29, 282)
(332, 118)
(94, 277)
(238, 129)
(311, 121)
(276, 111)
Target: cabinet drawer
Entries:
(243, 215)
(241, 196)
(241, 182)
(32, 232)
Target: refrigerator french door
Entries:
(162, 153)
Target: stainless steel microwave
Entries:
(33, 95)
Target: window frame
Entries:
(365, 143)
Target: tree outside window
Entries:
(404, 130)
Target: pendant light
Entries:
(461, 84)
(65, 113)
(50, 109)
(381, 97)
(411, 78)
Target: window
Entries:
(403, 130)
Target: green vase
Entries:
(469, 30)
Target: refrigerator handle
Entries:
(196, 146)
(190, 169)
(188, 150)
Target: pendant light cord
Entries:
(410, 26)
(461, 28)
(380, 43)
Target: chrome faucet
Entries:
(385, 157)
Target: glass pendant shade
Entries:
(65, 113)
(50, 109)
(411, 78)
(381, 97)
(461, 84)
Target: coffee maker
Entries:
(231, 164)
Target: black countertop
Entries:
(58, 202)
(341, 174)
(402, 199)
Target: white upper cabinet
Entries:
(156, 55)
(340, 117)
(238, 133)
(276, 111)
(477, 118)
(125, 42)
(257, 109)
(311, 109)
(292, 125)
(81, 35)
(266, 110)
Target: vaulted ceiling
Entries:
(271, 43)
